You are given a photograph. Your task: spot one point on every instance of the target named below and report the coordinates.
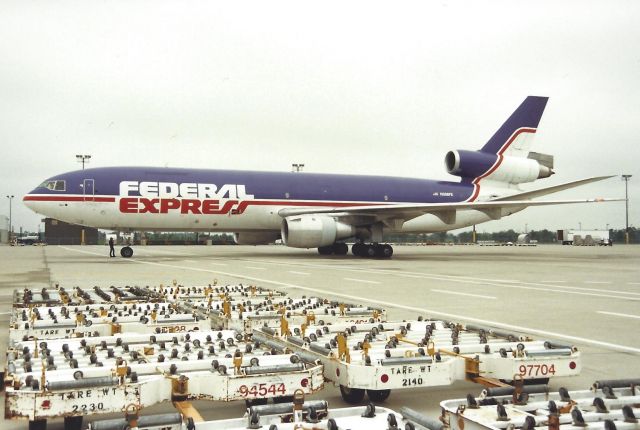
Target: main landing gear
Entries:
(337, 248)
(126, 252)
(374, 250)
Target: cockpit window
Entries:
(59, 185)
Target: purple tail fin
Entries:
(524, 119)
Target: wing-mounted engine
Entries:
(501, 168)
(313, 231)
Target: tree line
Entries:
(542, 236)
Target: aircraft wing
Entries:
(396, 214)
(444, 210)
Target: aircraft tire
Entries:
(352, 395)
(340, 248)
(358, 249)
(371, 251)
(387, 251)
(378, 395)
(325, 250)
(126, 252)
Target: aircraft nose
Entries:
(27, 201)
(30, 200)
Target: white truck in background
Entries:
(584, 237)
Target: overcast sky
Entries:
(343, 87)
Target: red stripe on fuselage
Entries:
(242, 206)
(476, 181)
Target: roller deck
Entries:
(309, 415)
(78, 377)
(608, 405)
(379, 357)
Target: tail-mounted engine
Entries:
(501, 168)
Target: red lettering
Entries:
(209, 207)
(166, 204)
(129, 205)
(149, 206)
(189, 205)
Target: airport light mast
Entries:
(83, 159)
(10, 197)
(297, 167)
(626, 178)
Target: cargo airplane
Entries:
(309, 210)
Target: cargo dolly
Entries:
(102, 320)
(299, 415)
(73, 378)
(379, 357)
(59, 296)
(214, 291)
(608, 405)
(249, 315)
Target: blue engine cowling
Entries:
(509, 169)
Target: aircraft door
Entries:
(88, 186)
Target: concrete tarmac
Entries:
(587, 296)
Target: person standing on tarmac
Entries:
(112, 250)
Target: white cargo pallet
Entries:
(609, 405)
(312, 415)
(413, 354)
(106, 374)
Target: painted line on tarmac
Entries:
(189, 261)
(522, 329)
(361, 280)
(255, 268)
(464, 294)
(298, 273)
(217, 264)
(597, 282)
(582, 291)
(152, 250)
(616, 314)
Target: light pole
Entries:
(626, 178)
(10, 197)
(297, 167)
(83, 159)
(580, 225)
